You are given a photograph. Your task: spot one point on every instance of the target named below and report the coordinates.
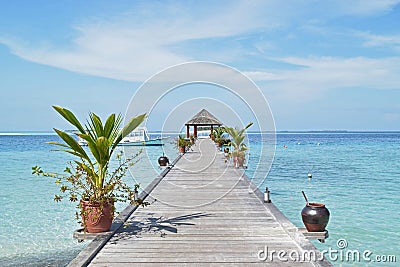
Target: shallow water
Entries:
(35, 230)
(356, 175)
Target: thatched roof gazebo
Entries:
(203, 118)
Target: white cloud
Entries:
(316, 75)
(346, 72)
(375, 40)
(141, 42)
(263, 76)
(133, 48)
(362, 7)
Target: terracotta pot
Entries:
(97, 217)
(181, 149)
(238, 161)
(163, 161)
(315, 217)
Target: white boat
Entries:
(82, 142)
(138, 137)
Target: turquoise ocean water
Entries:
(35, 230)
(355, 174)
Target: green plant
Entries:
(237, 137)
(182, 142)
(219, 135)
(212, 135)
(88, 176)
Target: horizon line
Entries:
(25, 132)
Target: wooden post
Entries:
(195, 131)
(187, 131)
(212, 129)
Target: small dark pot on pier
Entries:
(315, 217)
(97, 217)
(163, 161)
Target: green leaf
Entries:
(72, 143)
(89, 171)
(73, 198)
(245, 128)
(109, 126)
(128, 128)
(94, 149)
(103, 149)
(115, 132)
(58, 144)
(96, 125)
(37, 170)
(57, 198)
(70, 117)
(72, 152)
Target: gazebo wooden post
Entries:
(212, 129)
(187, 131)
(195, 131)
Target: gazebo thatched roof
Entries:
(204, 118)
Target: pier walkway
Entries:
(206, 213)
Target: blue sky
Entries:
(320, 64)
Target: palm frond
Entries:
(72, 143)
(70, 117)
(109, 125)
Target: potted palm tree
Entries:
(88, 178)
(212, 135)
(183, 144)
(218, 136)
(239, 148)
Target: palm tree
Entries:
(89, 176)
(218, 135)
(239, 147)
(102, 141)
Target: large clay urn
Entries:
(97, 217)
(315, 217)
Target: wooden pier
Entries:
(204, 212)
